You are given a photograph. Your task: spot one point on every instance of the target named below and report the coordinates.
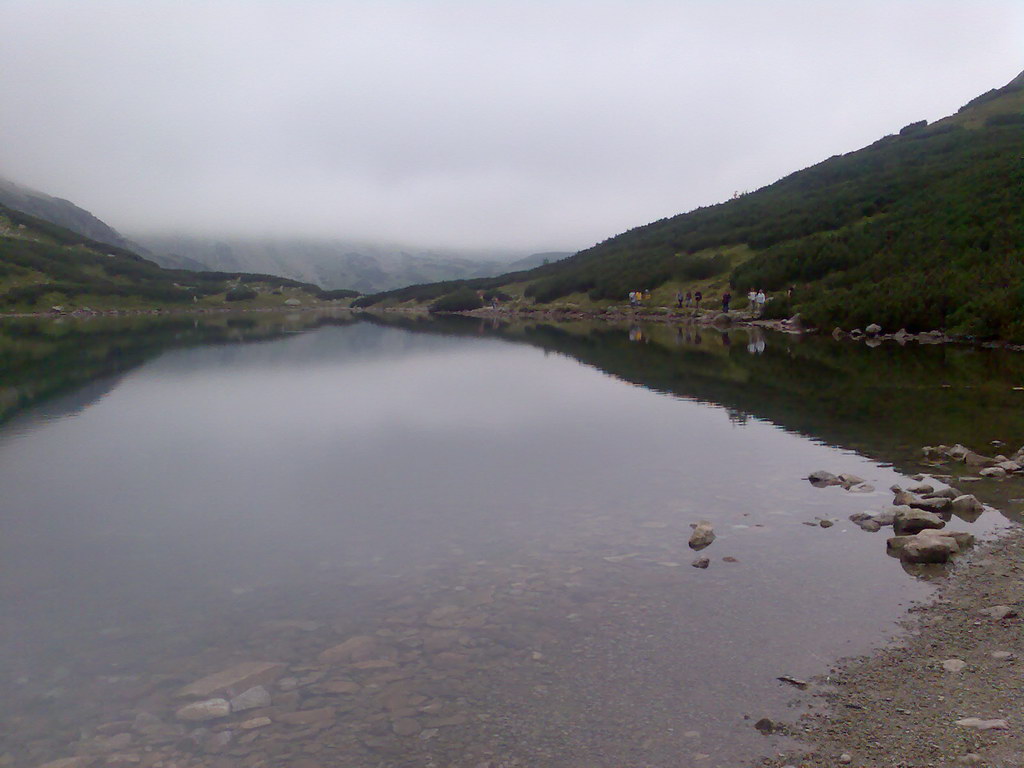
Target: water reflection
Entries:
(504, 528)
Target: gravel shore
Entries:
(900, 706)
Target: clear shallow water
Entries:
(509, 525)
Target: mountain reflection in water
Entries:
(504, 528)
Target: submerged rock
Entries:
(240, 677)
(200, 711)
(701, 562)
(356, 648)
(254, 698)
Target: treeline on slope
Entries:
(73, 265)
(885, 181)
(948, 254)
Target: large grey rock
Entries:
(200, 711)
(254, 698)
(967, 505)
(914, 520)
(963, 539)
(929, 503)
(973, 459)
(929, 549)
(873, 330)
(995, 472)
(888, 515)
(702, 536)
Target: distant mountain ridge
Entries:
(331, 264)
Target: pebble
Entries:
(701, 562)
(1001, 655)
(983, 725)
(846, 758)
(954, 665)
(1000, 612)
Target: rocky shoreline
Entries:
(947, 692)
(872, 336)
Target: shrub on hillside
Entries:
(461, 300)
(240, 293)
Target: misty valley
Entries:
(262, 539)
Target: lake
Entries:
(497, 512)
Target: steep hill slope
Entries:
(923, 229)
(44, 265)
(64, 213)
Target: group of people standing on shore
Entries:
(691, 300)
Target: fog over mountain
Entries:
(365, 267)
(521, 125)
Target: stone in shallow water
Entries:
(702, 536)
(701, 562)
(357, 648)
(254, 698)
(240, 677)
(199, 711)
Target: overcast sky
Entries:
(536, 125)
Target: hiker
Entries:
(752, 301)
(679, 299)
(697, 296)
(726, 298)
(689, 299)
(760, 299)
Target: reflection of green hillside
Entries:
(885, 402)
(42, 357)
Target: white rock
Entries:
(954, 665)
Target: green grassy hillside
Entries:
(923, 229)
(44, 265)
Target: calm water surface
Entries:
(508, 525)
